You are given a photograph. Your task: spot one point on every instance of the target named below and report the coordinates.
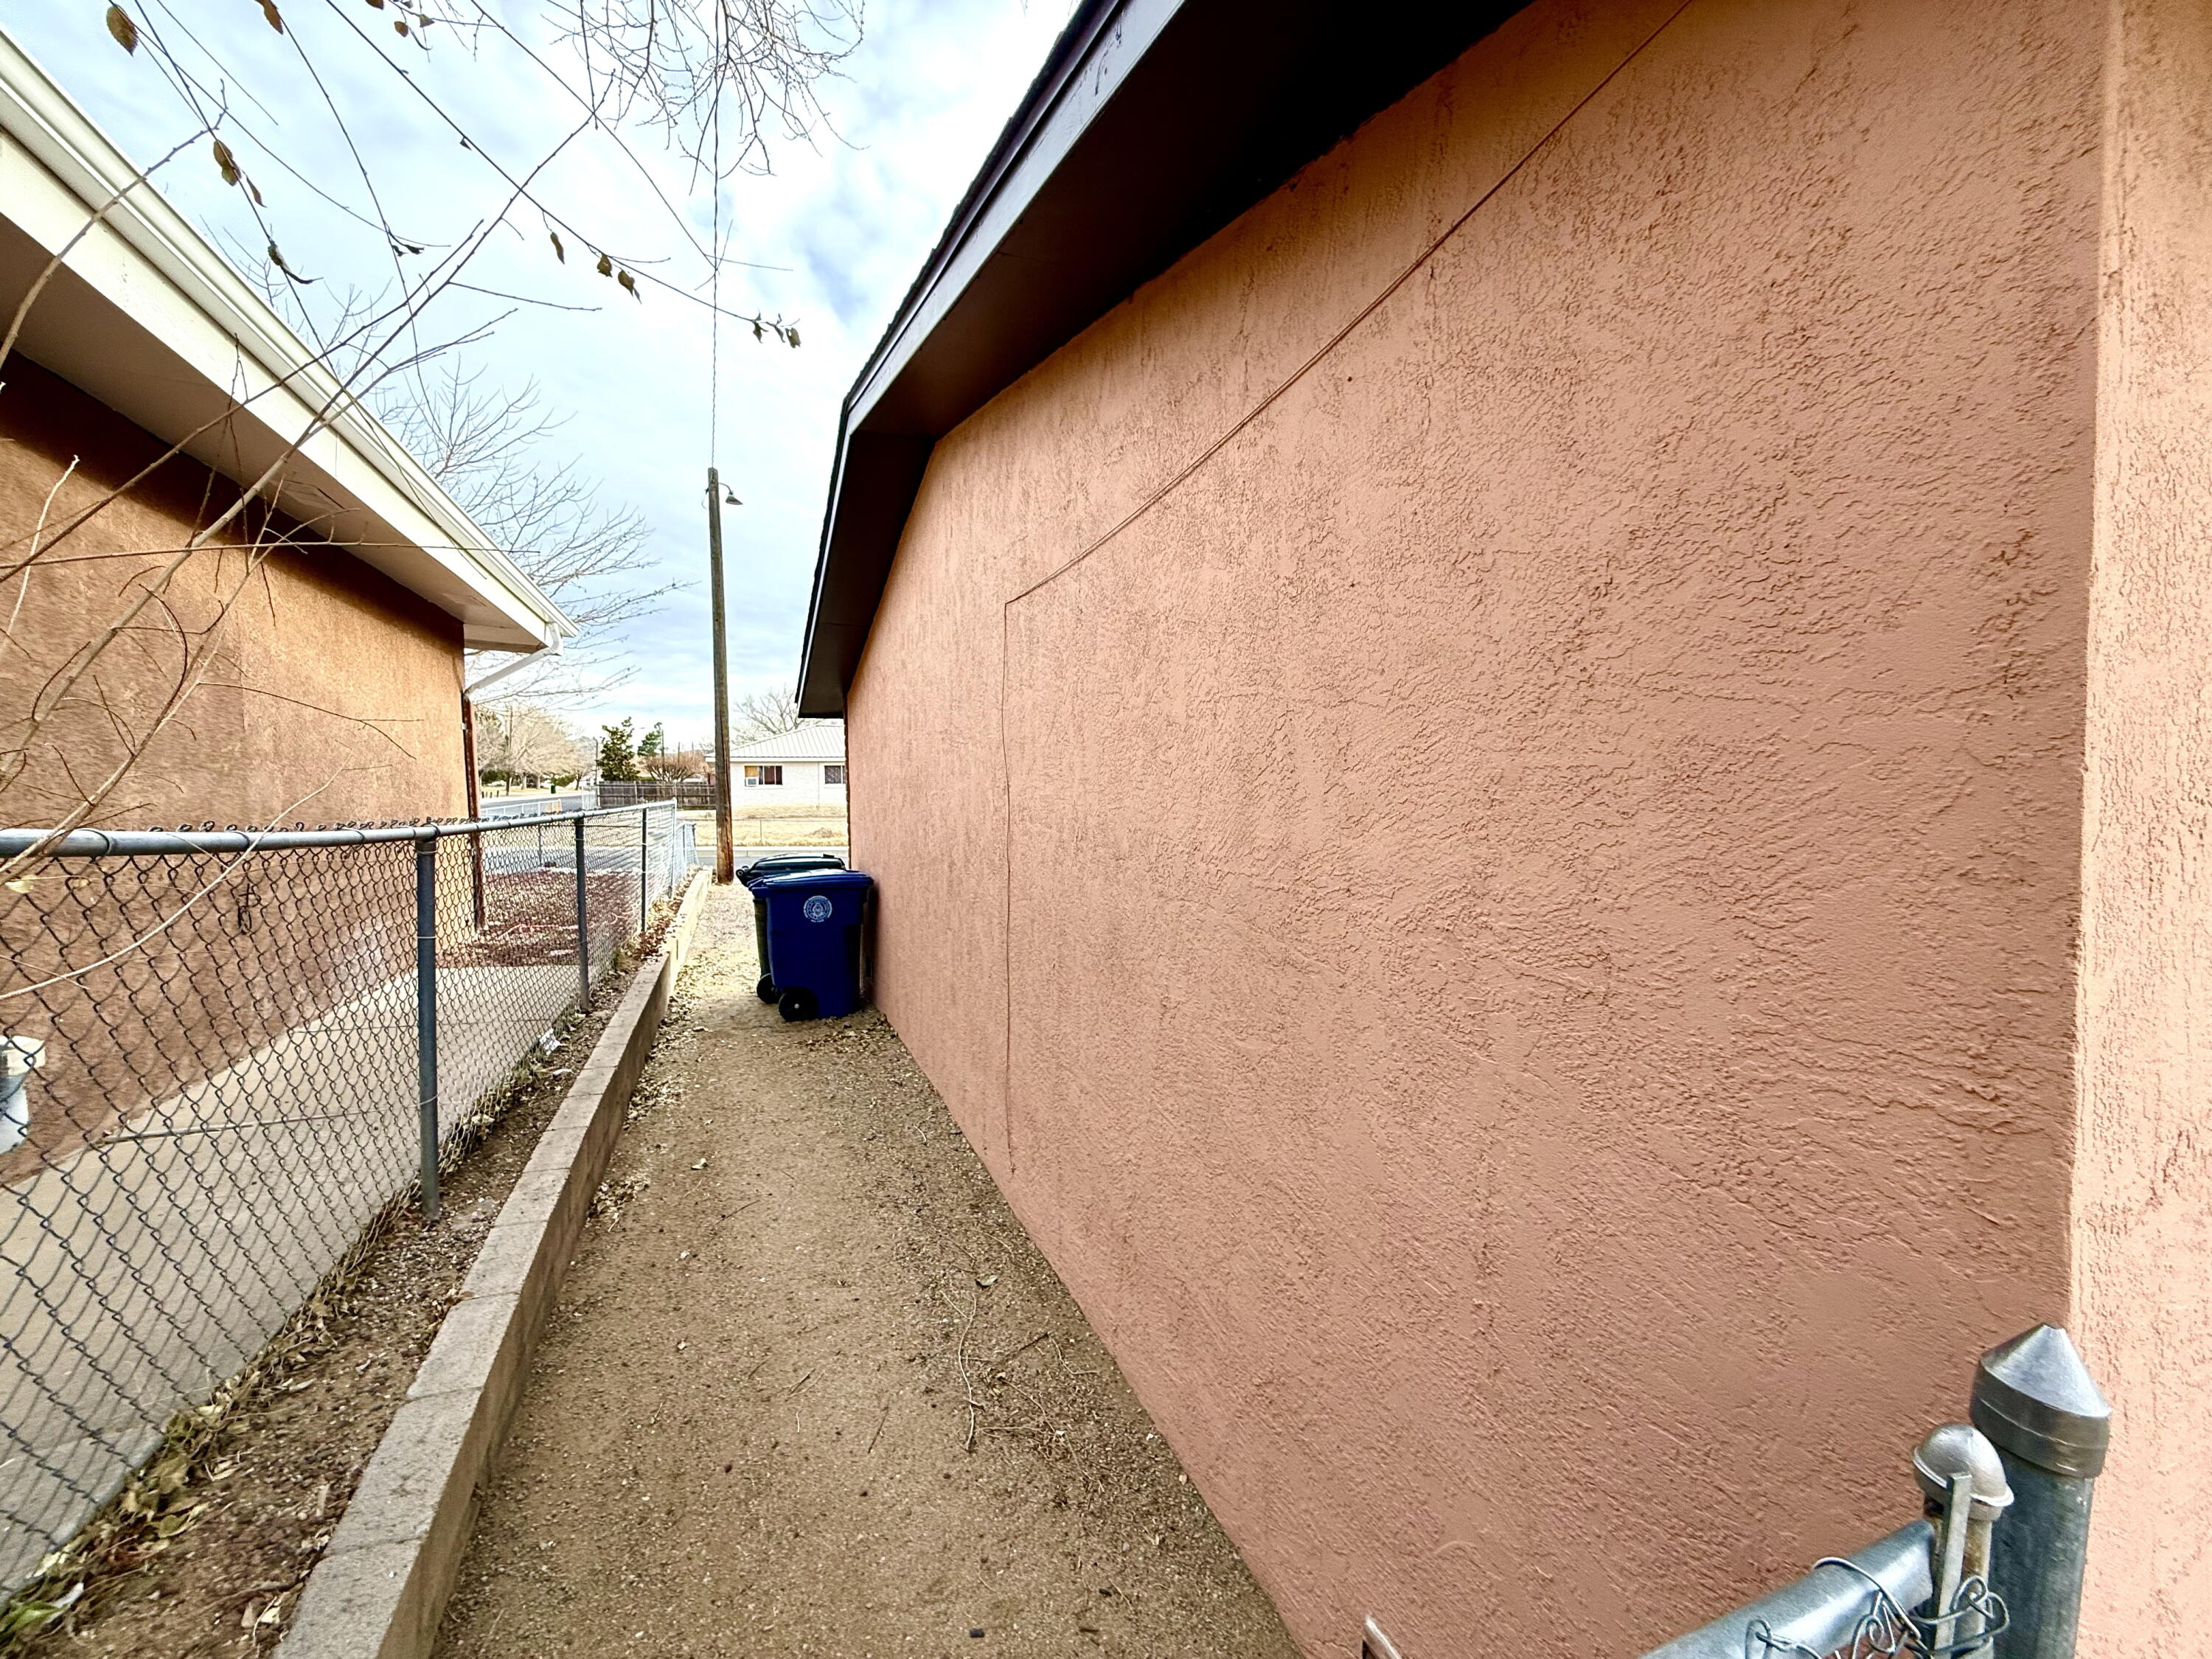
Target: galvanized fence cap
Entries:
(2035, 1399)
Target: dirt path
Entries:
(811, 1390)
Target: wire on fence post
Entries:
(425, 1010)
(644, 858)
(583, 927)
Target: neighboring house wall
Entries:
(333, 695)
(802, 782)
(1550, 1085)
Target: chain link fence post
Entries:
(644, 861)
(426, 1011)
(583, 927)
(2036, 1400)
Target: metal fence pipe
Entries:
(583, 927)
(479, 897)
(1964, 1480)
(133, 843)
(2036, 1400)
(1820, 1612)
(644, 859)
(426, 1014)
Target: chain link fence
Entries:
(223, 1055)
(1993, 1569)
(691, 794)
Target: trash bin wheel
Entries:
(798, 1003)
(766, 990)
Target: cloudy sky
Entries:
(840, 228)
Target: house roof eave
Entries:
(146, 316)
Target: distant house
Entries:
(1653, 560)
(804, 766)
(151, 382)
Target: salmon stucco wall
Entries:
(332, 695)
(1477, 800)
(2142, 1260)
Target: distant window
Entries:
(771, 774)
(833, 774)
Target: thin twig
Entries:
(38, 531)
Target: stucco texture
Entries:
(1478, 801)
(2142, 1261)
(333, 695)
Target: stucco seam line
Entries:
(1182, 476)
(1412, 270)
(1006, 892)
(381, 1588)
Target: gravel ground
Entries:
(809, 1389)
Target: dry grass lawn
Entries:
(795, 825)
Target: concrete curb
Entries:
(381, 1587)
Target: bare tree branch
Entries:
(764, 714)
(486, 447)
(120, 675)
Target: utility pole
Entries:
(725, 856)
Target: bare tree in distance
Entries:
(528, 742)
(674, 765)
(759, 714)
(486, 447)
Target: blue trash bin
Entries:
(760, 869)
(815, 922)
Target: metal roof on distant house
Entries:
(144, 314)
(823, 743)
(1153, 124)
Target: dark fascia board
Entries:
(1153, 124)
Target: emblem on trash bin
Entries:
(816, 909)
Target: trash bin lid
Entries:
(782, 864)
(818, 878)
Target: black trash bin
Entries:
(816, 941)
(760, 869)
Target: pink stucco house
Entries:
(1659, 552)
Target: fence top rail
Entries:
(1820, 1612)
(127, 843)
